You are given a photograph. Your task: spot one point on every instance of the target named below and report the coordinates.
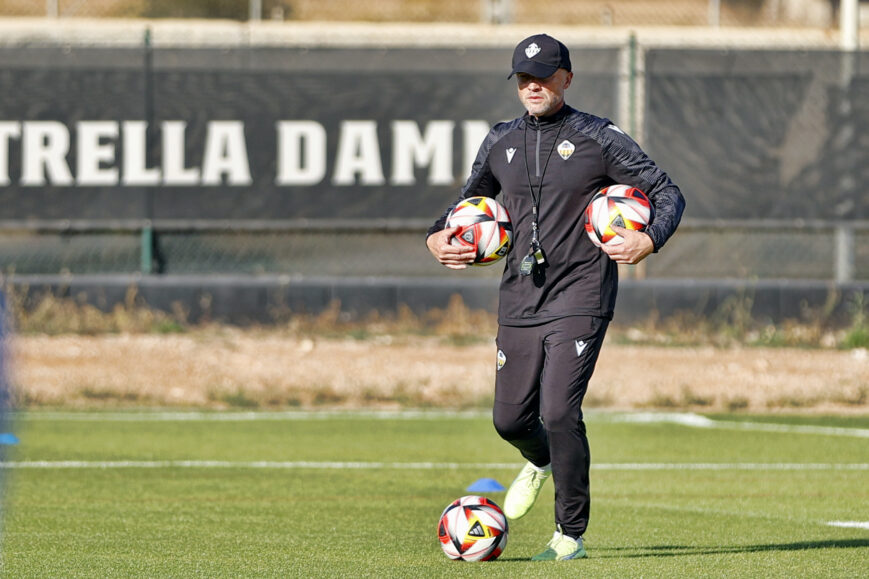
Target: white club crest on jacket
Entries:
(566, 149)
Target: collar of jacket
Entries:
(550, 121)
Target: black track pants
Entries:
(543, 374)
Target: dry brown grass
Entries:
(255, 369)
(69, 354)
(732, 379)
(222, 368)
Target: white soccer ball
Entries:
(473, 528)
(620, 205)
(485, 226)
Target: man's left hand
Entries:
(636, 247)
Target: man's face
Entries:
(543, 96)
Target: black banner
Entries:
(255, 133)
(762, 134)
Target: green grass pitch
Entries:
(359, 494)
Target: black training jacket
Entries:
(576, 154)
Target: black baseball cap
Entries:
(540, 56)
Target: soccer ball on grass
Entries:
(473, 528)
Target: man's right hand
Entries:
(452, 256)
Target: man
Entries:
(558, 290)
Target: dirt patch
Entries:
(224, 369)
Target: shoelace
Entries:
(536, 479)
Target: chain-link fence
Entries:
(699, 251)
(765, 136)
(753, 13)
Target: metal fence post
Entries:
(632, 85)
(628, 115)
(146, 242)
(714, 13)
(849, 24)
(146, 253)
(845, 254)
(255, 10)
(849, 40)
(496, 11)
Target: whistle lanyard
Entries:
(536, 254)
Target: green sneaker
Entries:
(562, 548)
(524, 490)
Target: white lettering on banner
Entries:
(174, 171)
(410, 149)
(135, 170)
(109, 153)
(44, 145)
(358, 153)
(301, 153)
(94, 152)
(7, 131)
(225, 153)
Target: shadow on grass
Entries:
(682, 550)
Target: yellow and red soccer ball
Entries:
(473, 528)
(620, 205)
(484, 225)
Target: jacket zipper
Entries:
(537, 149)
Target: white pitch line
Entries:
(688, 419)
(731, 466)
(219, 416)
(683, 418)
(792, 428)
(338, 465)
(698, 421)
(850, 524)
(346, 465)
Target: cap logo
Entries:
(532, 50)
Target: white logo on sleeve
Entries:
(616, 129)
(580, 346)
(532, 50)
(566, 149)
(510, 152)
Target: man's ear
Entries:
(567, 80)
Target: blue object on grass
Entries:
(486, 485)
(8, 438)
